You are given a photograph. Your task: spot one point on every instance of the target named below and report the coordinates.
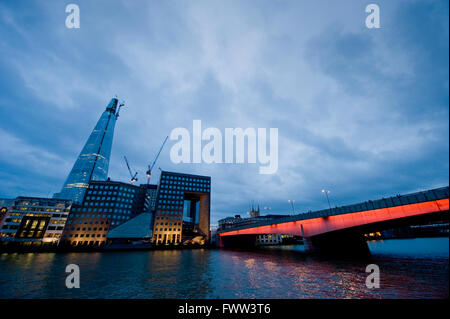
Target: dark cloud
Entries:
(361, 112)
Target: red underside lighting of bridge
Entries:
(322, 225)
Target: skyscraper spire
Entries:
(93, 161)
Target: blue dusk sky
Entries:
(361, 112)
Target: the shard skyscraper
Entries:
(93, 161)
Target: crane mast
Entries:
(150, 167)
(133, 177)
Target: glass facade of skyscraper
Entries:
(93, 161)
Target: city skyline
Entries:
(370, 130)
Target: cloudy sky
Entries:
(361, 112)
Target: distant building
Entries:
(35, 219)
(182, 210)
(237, 221)
(105, 206)
(229, 222)
(254, 212)
(93, 162)
(269, 239)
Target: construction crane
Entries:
(150, 167)
(133, 177)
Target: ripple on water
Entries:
(408, 270)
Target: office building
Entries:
(34, 219)
(182, 210)
(105, 206)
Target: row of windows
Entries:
(111, 187)
(87, 243)
(107, 204)
(162, 191)
(39, 214)
(87, 235)
(25, 203)
(269, 236)
(95, 216)
(168, 218)
(169, 212)
(116, 217)
(166, 183)
(120, 194)
(18, 220)
(190, 189)
(170, 229)
(176, 202)
(88, 228)
(168, 239)
(55, 221)
(10, 226)
(14, 220)
(55, 227)
(179, 197)
(40, 209)
(268, 240)
(182, 178)
(168, 224)
(103, 210)
(15, 214)
(52, 235)
(170, 207)
(86, 222)
(108, 198)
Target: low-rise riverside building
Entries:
(35, 219)
(268, 239)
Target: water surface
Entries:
(410, 268)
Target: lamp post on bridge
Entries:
(292, 201)
(326, 192)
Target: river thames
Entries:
(409, 268)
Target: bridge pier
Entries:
(342, 243)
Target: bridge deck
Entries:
(417, 203)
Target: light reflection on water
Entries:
(412, 268)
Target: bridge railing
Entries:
(399, 200)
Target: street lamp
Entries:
(326, 192)
(292, 204)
